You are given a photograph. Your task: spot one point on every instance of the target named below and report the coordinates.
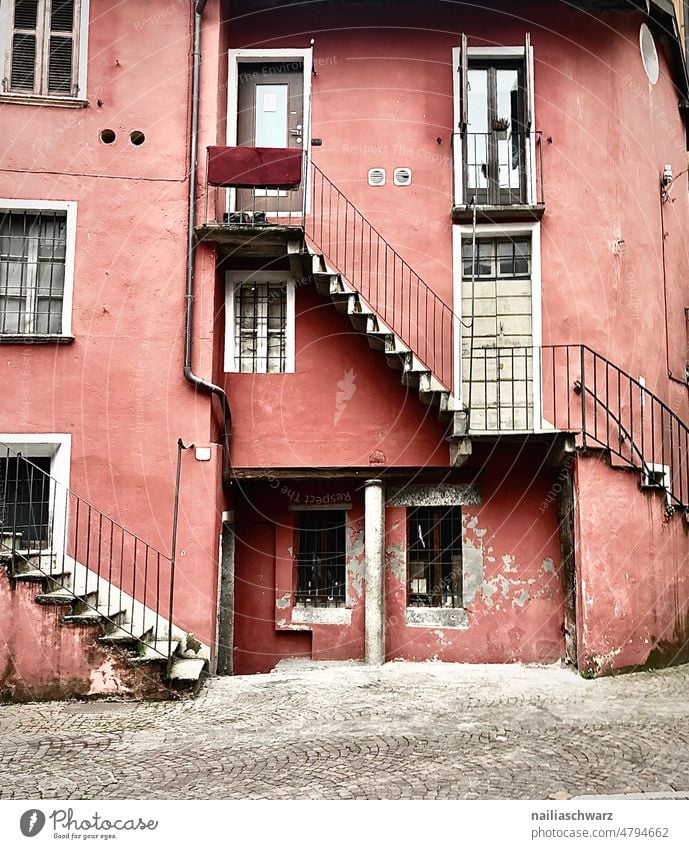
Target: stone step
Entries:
(58, 597)
(154, 652)
(88, 617)
(34, 576)
(187, 670)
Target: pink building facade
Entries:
(397, 371)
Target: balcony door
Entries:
(494, 142)
(270, 113)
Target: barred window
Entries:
(24, 499)
(321, 556)
(263, 326)
(43, 48)
(434, 557)
(32, 271)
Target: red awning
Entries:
(255, 167)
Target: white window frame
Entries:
(57, 446)
(497, 53)
(532, 229)
(237, 56)
(79, 59)
(70, 207)
(232, 280)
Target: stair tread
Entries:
(61, 596)
(93, 615)
(156, 651)
(119, 636)
(187, 669)
(32, 574)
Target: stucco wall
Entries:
(633, 594)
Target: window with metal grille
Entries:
(434, 557)
(24, 500)
(43, 49)
(260, 327)
(32, 271)
(321, 556)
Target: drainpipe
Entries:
(195, 380)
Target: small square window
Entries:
(434, 557)
(33, 265)
(260, 324)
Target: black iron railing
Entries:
(498, 169)
(400, 298)
(571, 388)
(355, 249)
(45, 528)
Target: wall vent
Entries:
(376, 176)
(402, 177)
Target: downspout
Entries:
(195, 380)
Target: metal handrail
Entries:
(363, 257)
(490, 180)
(572, 388)
(84, 553)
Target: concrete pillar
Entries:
(374, 538)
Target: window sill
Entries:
(437, 617)
(43, 100)
(35, 339)
(490, 214)
(321, 615)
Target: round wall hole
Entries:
(137, 137)
(107, 136)
(649, 54)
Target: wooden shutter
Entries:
(463, 84)
(61, 47)
(529, 87)
(25, 26)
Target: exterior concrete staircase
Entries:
(167, 667)
(381, 337)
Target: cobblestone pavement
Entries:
(406, 731)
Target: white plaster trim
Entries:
(430, 495)
(232, 280)
(305, 615)
(81, 36)
(493, 53)
(58, 446)
(533, 230)
(437, 617)
(70, 207)
(496, 52)
(235, 56)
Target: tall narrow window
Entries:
(495, 141)
(32, 271)
(497, 346)
(434, 557)
(497, 164)
(321, 558)
(43, 49)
